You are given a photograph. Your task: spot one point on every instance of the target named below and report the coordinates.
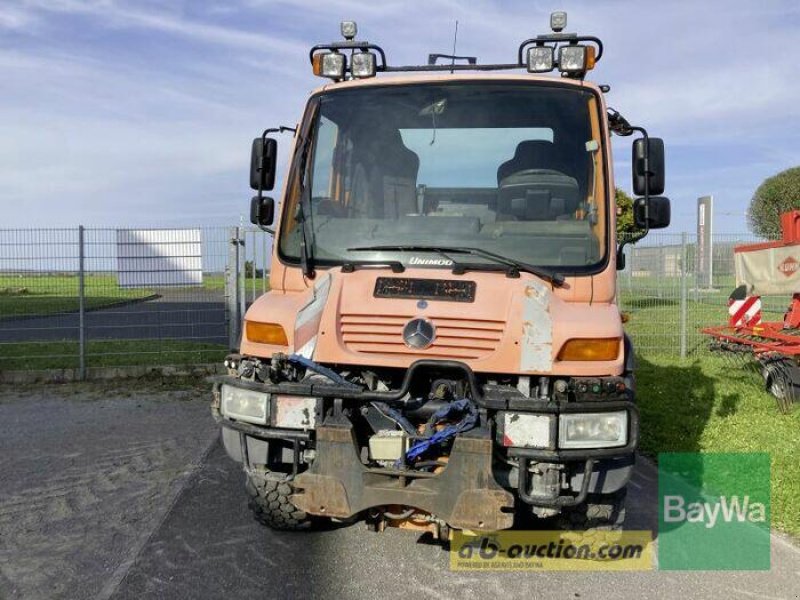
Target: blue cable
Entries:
(324, 371)
(468, 422)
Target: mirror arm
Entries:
(268, 230)
(280, 129)
(646, 229)
(267, 131)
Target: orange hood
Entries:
(513, 326)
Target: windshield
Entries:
(505, 168)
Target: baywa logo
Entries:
(430, 262)
(714, 511)
(677, 509)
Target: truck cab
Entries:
(441, 346)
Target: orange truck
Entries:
(441, 347)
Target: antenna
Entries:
(455, 41)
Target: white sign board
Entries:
(705, 241)
(159, 257)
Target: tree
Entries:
(624, 204)
(778, 194)
(250, 272)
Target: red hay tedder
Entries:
(767, 269)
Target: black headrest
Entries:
(534, 154)
(384, 145)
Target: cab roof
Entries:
(386, 79)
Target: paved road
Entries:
(192, 314)
(164, 516)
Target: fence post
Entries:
(241, 274)
(81, 305)
(684, 303)
(233, 290)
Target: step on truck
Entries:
(441, 347)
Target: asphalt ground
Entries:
(194, 314)
(111, 492)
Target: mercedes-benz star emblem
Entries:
(419, 333)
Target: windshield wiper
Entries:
(556, 279)
(304, 209)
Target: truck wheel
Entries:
(599, 512)
(268, 494)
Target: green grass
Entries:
(46, 294)
(49, 294)
(108, 353)
(655, 313)
(708, 404)
(214, 282)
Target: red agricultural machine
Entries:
(767, 269)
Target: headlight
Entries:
(244, 405)
(593, 430)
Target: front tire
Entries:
(268, 497)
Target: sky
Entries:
(140, 113)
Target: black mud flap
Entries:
(465, 494)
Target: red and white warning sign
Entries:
(745, 312)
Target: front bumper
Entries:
(604, 469)
(466, 494)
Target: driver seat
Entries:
(385, 177)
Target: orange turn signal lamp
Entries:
(265, 333)
(586, 349)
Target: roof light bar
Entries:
(573, 55)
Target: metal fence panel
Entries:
(663, 300)
(62, 305)
(39, 299)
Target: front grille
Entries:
(455, 338)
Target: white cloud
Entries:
(128, 109)
(126, 15)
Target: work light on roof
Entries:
(349, 29)
(540, 59)
(330, 64)
(558, 21)
(362, 64)
(575, 59)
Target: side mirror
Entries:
(263, 160)
(656, 167)
(658, 213)
(262, 211)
